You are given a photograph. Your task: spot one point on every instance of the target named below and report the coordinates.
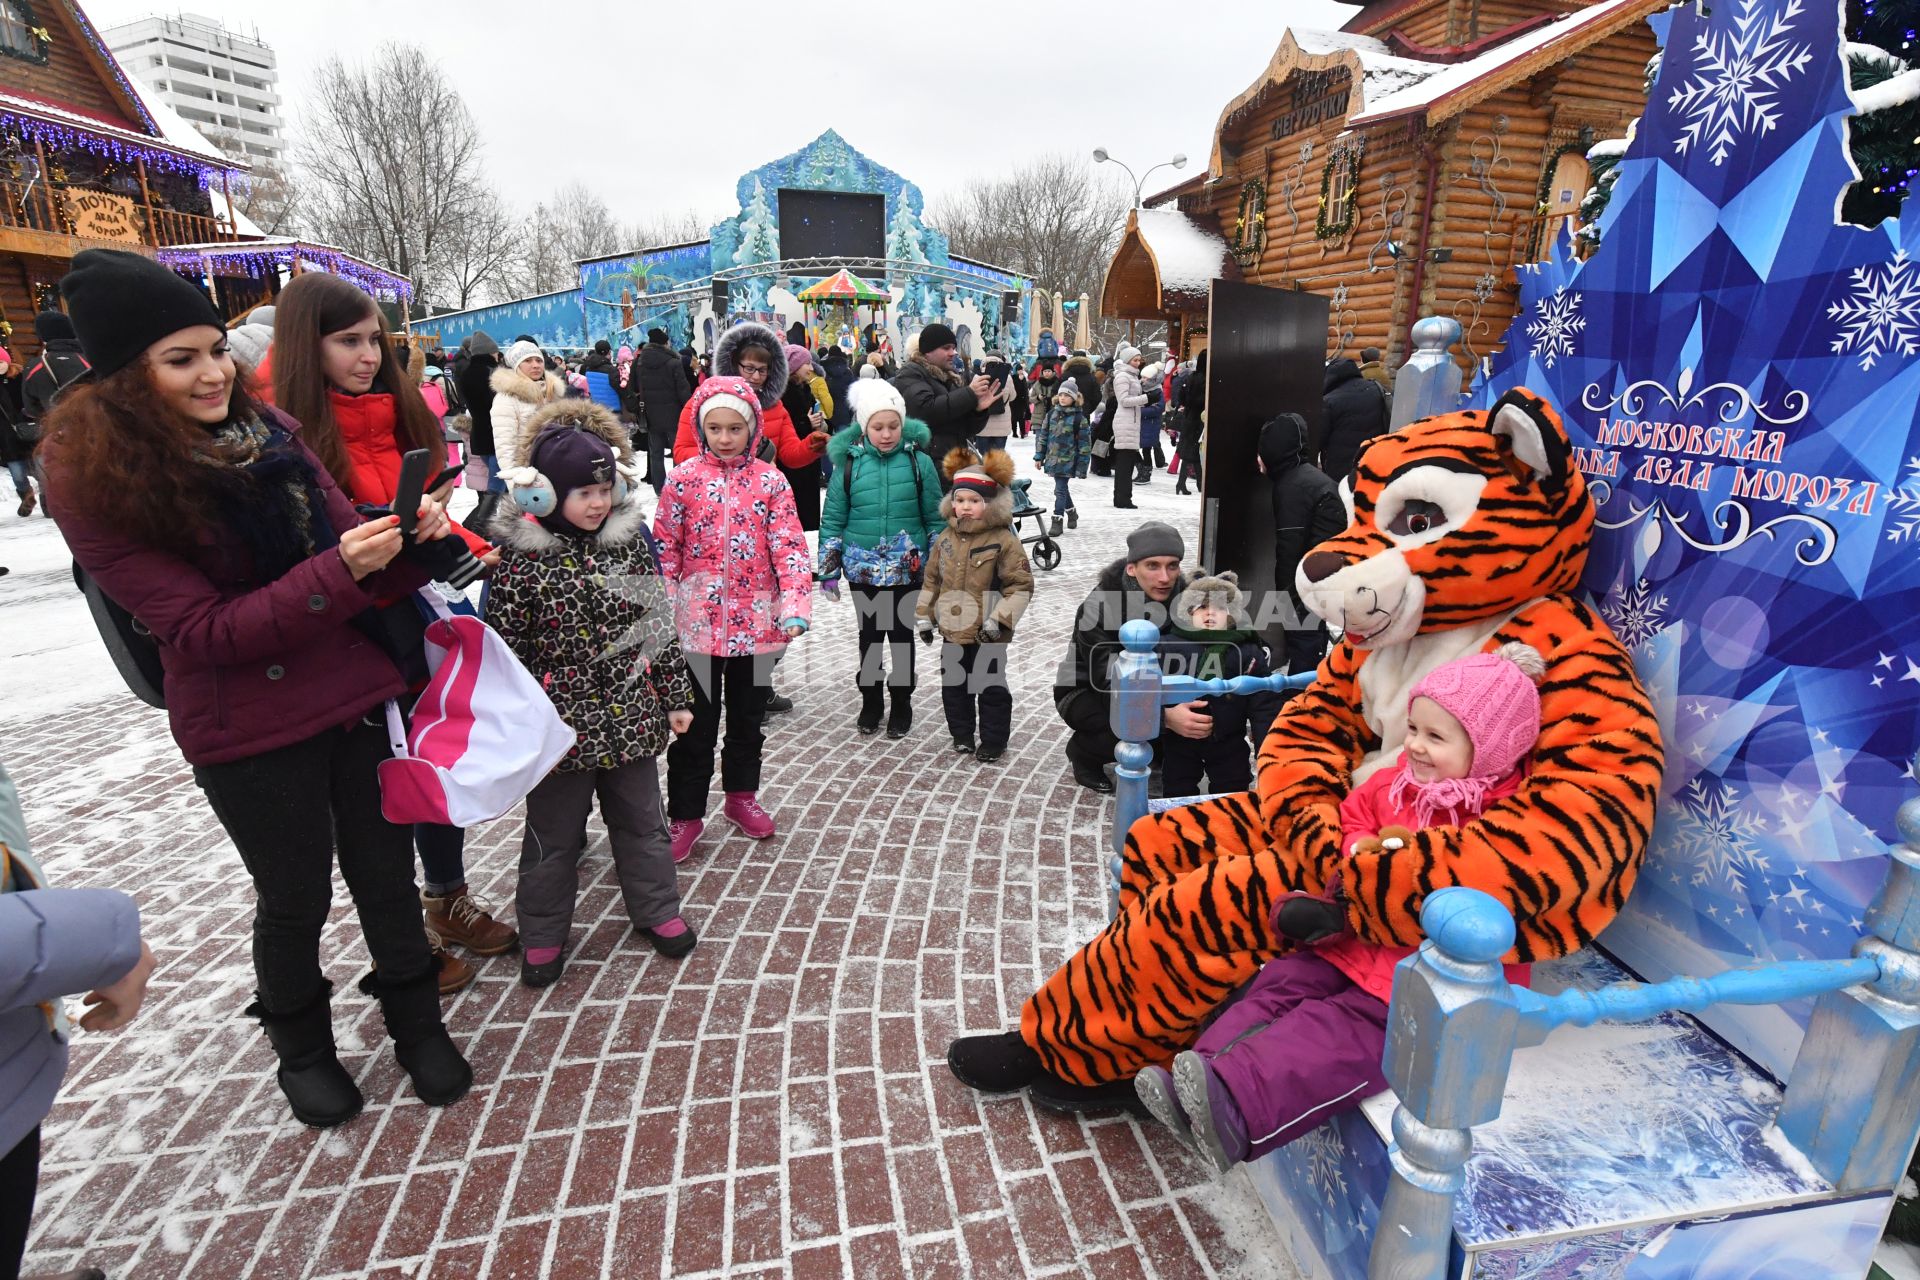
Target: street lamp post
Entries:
(1101, 156)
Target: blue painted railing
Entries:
(1141, 691)
(1852, 1103)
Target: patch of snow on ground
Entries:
(1247, 1228)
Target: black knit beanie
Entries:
(53, 326)
(122, 303)
(936, 336)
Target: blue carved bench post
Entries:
(1450, 1041)
(1135, 716)
(1861, 1138)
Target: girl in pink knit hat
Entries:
(1304, 1044)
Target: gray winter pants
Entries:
(556, 835)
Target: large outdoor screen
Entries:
(832, 224)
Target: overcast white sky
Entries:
(662, 106)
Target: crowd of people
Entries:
(234, 492)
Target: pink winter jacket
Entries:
(1362, 814)
(732, 546)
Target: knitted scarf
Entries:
(270, 496)
(1450, 801)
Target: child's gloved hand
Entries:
(830, 588)
(991, 631)
(679, 721)
(926, 633)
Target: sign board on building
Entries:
(1314, 96)
(100, 215)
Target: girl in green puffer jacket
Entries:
(882, 513)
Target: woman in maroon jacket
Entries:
(212, 524)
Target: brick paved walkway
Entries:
(776, 1104)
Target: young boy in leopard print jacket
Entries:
(579, 597)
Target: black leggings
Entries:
(738, 685)
(291, 812)
(886, 625)
(19, 1179)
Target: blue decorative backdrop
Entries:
(655, 271)
(1740, 374)
(553, 319)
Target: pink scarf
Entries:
(1456, 798)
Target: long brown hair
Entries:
(314, 305)
(126, 460)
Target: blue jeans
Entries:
(494, 483)
(18, 470)
(1062, 496)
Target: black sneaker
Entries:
(987, 754)
(1092, 777)
(778, 704)
(963, 745)
(994, 1064)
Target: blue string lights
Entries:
(259, 261)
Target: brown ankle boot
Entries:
(455, 973)
(464, 919)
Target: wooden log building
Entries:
(1402, 166)
(87, 160)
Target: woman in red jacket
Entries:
(335, 372)
(225, 537)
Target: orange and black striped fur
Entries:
(1468, 531)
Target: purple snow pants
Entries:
(1302, 1046)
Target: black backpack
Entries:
(135, 652)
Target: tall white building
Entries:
(225, 83)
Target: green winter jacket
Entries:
(885, 499)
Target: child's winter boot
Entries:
(900, 719)
(1055, 528)
(743, 811)
(873, 705)
(542, 966)
(684, 832)
(1156, 1088)
(672, 939)
(1218, 1128)
(1073, 517)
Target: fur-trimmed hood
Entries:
(726, 350)
(912, 432)
(996, 464)
(508, 381)
(514, 528)
(582, 415)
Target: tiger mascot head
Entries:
(1455, 518)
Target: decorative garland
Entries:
(256, 262)
(1540, 201)
(1331, 223)
(42, 38)
(1250, 228)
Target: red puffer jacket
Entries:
(366, 427)
(250, 666)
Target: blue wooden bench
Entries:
(1594, 1125)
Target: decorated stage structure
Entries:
(1739, 378)
(804, 219)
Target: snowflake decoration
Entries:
(1882, 313)
(1340, 294)
(1559, 323)
(1484, 286)
(1326, 1155)
(1903, 507)
(1714, 831)
(1636, 614)
(1738, 78)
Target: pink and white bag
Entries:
(484, 731)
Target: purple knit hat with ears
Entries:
(1496, 698)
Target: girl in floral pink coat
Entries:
(732, 546)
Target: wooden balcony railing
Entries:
(109, 217)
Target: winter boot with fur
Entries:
(411, 1008)
(1055, 528)
(1073, 517)
(873, 705)
(318, 1088)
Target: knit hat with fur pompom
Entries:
(1216, 591)
(1496, 698)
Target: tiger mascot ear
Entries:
(1530, 431)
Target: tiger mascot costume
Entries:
(1468, 530)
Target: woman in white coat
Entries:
(1128, 398)
(521, 388)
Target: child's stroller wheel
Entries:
(1046, 553)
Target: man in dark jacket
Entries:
(1306, 512)
(840, 377)
(1354, 412)
(603, 377)
(953, 410)
(60, 363)
(1080, 369)
(473, 378)
(1141, 585)
(657, 382)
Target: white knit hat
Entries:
(721, 400)
(875, 396)
(1150, 374)
(523, 351)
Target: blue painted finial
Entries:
(1467, 924)
(1139, 636)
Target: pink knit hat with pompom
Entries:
(1495, 698)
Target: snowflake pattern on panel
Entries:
(1881, 313)
(1560, 321)
(1738, 78)
(1636, 614)
(1713, 830)
(1903, 507)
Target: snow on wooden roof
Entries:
(1457, 86)
(1188, 255)
(1166, 261)
(1383, 72)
